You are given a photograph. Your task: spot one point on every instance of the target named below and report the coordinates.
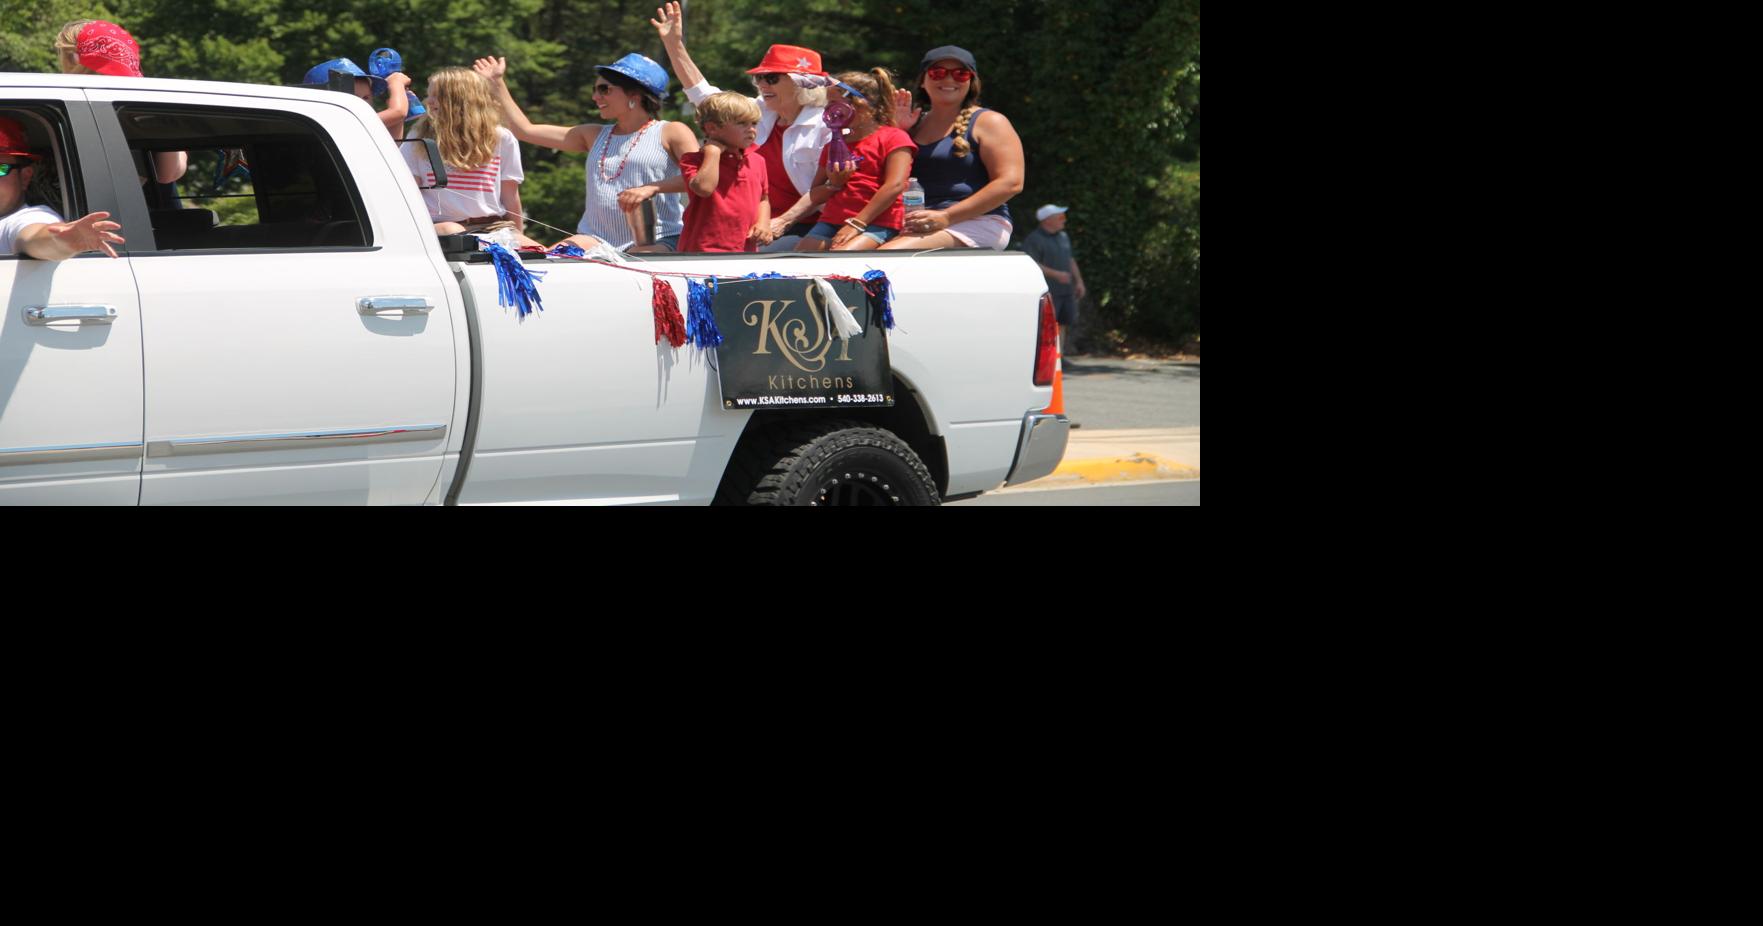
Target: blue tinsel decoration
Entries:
(765, 276)
(565, 249)
(885, 292)
(701, 327)
(516, 285)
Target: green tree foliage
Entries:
(1105, 96)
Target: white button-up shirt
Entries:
(803, 139)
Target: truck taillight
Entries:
(1047, 348)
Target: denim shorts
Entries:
(826, 230)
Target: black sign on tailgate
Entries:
(779, 351)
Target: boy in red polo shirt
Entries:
(728, 210)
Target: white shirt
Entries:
(803, 139)
(469, 194)
(15, 224)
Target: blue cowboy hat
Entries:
(642, 70)
(320, 76)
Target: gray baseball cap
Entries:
(949, 51)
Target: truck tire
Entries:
(823, 463)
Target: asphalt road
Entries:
(1104, 394)
(1108, 393)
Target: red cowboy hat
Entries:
(789, 59)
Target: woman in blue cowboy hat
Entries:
(634, 148)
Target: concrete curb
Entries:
(1122, 469)
(1141, 455)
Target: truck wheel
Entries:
(821, 464)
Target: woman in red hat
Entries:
(93, 46)
(791, 133)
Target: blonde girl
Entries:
(482, 195)
(93, 46)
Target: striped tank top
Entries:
(648, 162)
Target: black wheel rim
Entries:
(856, 489)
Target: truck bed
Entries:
(578, 398)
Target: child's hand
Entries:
(669, 23)
(905, 114)
(838, 174)
(396, 83)
(634, 197)
(761, 234)
(491, 68)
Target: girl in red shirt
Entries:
(861, 208)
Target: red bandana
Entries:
(106, 49)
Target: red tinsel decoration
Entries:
(669, 323)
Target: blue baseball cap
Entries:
(642, 70)
(320, 76)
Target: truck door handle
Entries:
(403, 305)
(50, 314)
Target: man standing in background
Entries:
(1050, 247)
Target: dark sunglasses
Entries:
(961, 75)
(602, 88)
(9, 168)
(770, 80)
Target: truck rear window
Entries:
(256, 180)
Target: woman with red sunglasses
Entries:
(791, 133)
(969, 158)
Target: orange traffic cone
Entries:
(1057, 406)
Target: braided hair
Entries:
(968, 108)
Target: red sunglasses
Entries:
(961, 75)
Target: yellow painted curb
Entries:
(1122, 469)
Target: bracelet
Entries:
(860, 226)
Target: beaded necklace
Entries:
(606, 146)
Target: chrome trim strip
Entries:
(72, 453)
(300, 440)
(409, 305)
(50, 314)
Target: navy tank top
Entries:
(948, 179)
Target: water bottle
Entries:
(914, 197)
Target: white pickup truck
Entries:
(283, 327)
